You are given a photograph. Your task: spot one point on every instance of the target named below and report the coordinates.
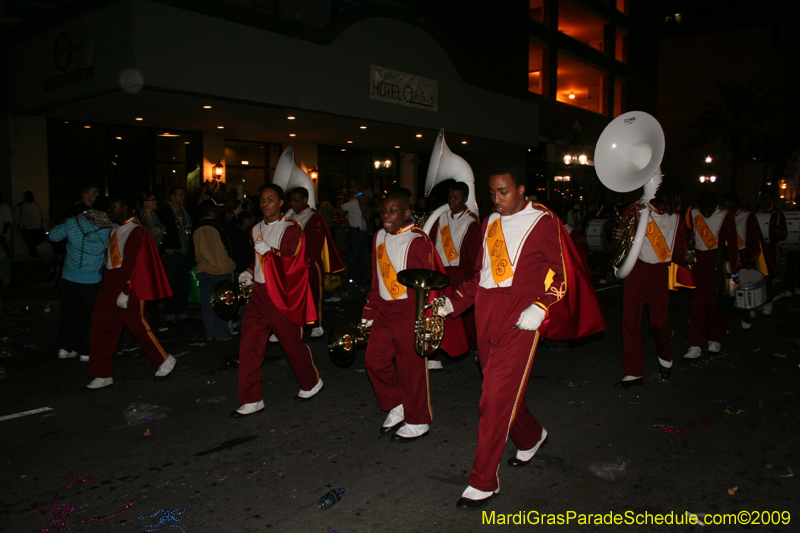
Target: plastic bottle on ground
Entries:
(327, 501)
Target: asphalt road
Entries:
(719, 438)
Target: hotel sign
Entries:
(67, 56)
(397, 87)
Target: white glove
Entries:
(531, 318)
(261, 247)
(122, 300)
(446, 309)
(246, 277)
(365, 322)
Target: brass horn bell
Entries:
(343, 342)
(227, 297)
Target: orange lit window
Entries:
(622, 5)
(621, 48)
(580, 24)
(537, 71)
(581, 85)
(620, 96)
(540, 11)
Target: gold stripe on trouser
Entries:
(321, 287)
(519, 393)
(428, 387)
(150, 332)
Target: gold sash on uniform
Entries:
(739, 242)
(447, 243)
(705, 233)
(113, 252)
(498, 254)
(658, 242)
(388, 274)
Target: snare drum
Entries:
(763, 224)
(752, 291)
(792, 241)
(600, 235)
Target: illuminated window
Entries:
(622, 5)
(537, 68)
(580, 24)
(540, 10)
(621, 48)
(587, 84)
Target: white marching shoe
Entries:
(64, 354)
(434, 365)
(746, 325)
(84, 359)
(714, 347)
(317, 332)
(248, 409)
(308, 394)
(693, 353)
(393, 421)
(166, 367)
(273, 338)
(767, 309)
(99, 383)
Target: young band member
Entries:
(134, 274)
(321, 254)
(280, 301)
(752, 248)
(398, 375)
(712, 227)
(457, 237)
(649, 283)
(530, 282)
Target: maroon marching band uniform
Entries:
(392, 308)
(648, 284)
(776, 231)
(281, 302)
(521, 262)
(707, 323)
(134, 267)
(751, 245)
(321, 253)
(460, 256)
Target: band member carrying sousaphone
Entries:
(398, 373)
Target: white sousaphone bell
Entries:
(628, 156)
(288, 176)
(446, 165)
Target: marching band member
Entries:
(280, 301)
(398, 375)
(134, 274)
(776, 231)
(530, 280)
(321, 254)
(751, 246)
(649, 283)
(457, 237)
(711, 228)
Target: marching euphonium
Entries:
(227, 297)
(428, 331)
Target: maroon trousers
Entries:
(398, 374)
(315, 276)
(647, 284)
(467, 317)
(707, 323)
(108, 320)
(260, 319)
(506, 357)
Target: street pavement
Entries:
(720, 438)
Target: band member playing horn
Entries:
(134, 274)
(456, 234)
(649, 283)
(711, 228)
(526, 267)
(752, 248)
(398, 375)
(280, 301)
(321, 254)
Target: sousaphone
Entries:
(446, 165)
(288, 176)
(628, 156)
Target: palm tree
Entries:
(736, 125)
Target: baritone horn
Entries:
(428, 331)
(628, 156)
(227, 297)
(343, 342)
